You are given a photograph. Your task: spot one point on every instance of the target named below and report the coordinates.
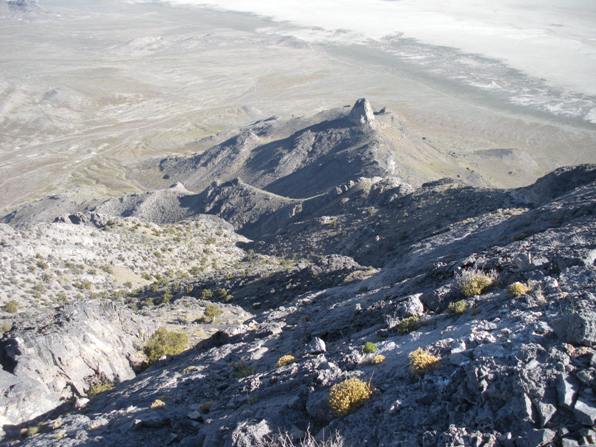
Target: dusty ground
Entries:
(87, 90)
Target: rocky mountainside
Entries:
(300, 291)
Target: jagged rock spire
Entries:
(362, 113)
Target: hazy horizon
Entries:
(552, 42)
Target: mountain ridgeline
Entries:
(324, 287)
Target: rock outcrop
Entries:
(57, 357)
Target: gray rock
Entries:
(316, 346)
(585, 411)
(47, 364)
(567, 442)
(566, 391)
(156, 421)
(192, 441)
(410, 306)
(249, 434)
(362, 113)
(317, 406)
(545, 412)
(577, 323)
(537, 438)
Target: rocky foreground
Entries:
(358, 308)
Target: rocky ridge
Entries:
(467, 312)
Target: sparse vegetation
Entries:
(421, 361)
(165, 342)
(166, 297)
(408, 325)
(241, 370)
(285, 360)
(377, 359)
(474, 282)
(98, 388)
(212, 311)
(518, 289)
(286, 440)
(157, 403)
(206, 294)
(458, 307)
(369, 347)
(32, 431)
(348, 395)
(11, 307)
(224, 294)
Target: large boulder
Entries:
(55, 357)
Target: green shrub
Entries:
(369, 347)
(474, 282)
(166, 297)
(241, 370)
(165, 342)
(212, 311)
(83, 285)
(32, 431)
(224, 294)
(11, 307)
(408, 325)
(458, 307)
(98, 388)
(518, 289)
(206, 294)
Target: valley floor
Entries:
(103, 92)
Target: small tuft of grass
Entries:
(474, 282)
(458, 307)
(224, 294)
(32, 431)
(11, 307)
(99, 388)
(285, 360)
(378, 359)
(206, 294)
(241, 370)
(518, 289)
(369, 347)
(156, 404)
(408, 325)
